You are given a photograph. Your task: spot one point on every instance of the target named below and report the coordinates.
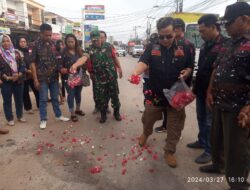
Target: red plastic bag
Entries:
(179, 95)
(75, 79)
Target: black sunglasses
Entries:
(168, 37)
(228, 23)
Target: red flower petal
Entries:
(151, 170)
(124, 170)
(95, 169)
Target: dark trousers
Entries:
(9, 89)
(63, 87)
(204, 118)
(26, 96)
(227, 135)
(164, 123)
(94, 94)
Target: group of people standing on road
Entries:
(222, 89)
(40, 66)
(222, 85)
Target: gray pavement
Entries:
(61, 157)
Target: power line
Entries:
(212, 4)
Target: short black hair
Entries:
(153, 38)
(101, 31)
(19, 39)
(45, 27)
(164, 22)
(58, 45)
(209, 20)
(180, 23)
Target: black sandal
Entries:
(74, 118)
(80, 112)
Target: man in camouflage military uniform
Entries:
(102, 67)
(103, 37)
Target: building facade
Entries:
(21, 17)
(61, 26)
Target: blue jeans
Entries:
(53, 87)
(204, 118)
(73, 94)
(9, 88)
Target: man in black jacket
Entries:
(167, 62)
(210, 33)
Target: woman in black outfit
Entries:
(70, 55)
(29, 82)
(12, 70)
(59, 48)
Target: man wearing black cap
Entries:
(229, 94)
(210, 33)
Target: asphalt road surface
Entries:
(89, 156)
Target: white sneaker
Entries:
(11, 123)
(142, 110)
(30, 112)
(43, 124)
(22, 120)
(62, 118)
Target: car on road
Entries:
(120, 52)
(137, 50)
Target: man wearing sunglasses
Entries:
(167, 61)
(180, 37)
(228, 95)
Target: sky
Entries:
(122, 16)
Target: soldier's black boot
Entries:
(103, 117)
(117, 115)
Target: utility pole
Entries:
(148, 31)
(179, 6)
(135, 32)
(82, 28)
(135, 29)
